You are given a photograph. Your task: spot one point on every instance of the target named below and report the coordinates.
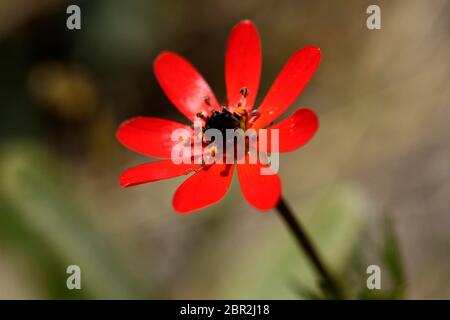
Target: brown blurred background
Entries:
(372, 187)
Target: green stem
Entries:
(305, 243)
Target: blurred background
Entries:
(372, 187)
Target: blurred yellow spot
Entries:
(65, 90)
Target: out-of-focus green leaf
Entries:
(36, 211)
(46, 269)
(305, 292)
(389, 255)
(393, 261)
(334, 220)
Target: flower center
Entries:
(223, 120)
(227, 122)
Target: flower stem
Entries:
(305, 243)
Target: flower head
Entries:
(193, 97)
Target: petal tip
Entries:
(120, 130)
(179, 208)
(310, 116)
(246, 22)
(267, 206)
(124, 184)
(181, 211)
(311, 51)
(163, 54)
(315, 50)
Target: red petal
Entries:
(154, 171)
(288, 85)
(243, 63)
(296, 130)
(204, 188)
(261, 191)
(149, 136)
(183, 85)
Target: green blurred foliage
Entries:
(276, 269)
(51, 228)
(381, 97)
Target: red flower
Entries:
(187, 90)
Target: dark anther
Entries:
(244, 92)
(255, 113)
(200, 115)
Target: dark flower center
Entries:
(222, 121)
